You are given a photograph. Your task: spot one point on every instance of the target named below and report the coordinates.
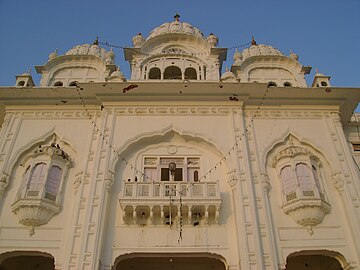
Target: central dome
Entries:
(176, 27)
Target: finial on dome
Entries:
(293, 55)
(177, 17)
(96, 42)
(253, 42)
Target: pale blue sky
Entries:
(324, 33)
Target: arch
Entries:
(27, 260)
(190, 74)
(190, 261)
(58, 83)
(172, 73)
(300, 260)
(21, 83)
(155, 73)
(280, 141)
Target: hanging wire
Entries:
(136, 50)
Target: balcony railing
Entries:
(155, 203)
(162, 190)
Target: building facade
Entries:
(178, 166)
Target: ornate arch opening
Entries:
(172, 73)
(163, 261)
(155, 73)
(316, 259)
(26, 260)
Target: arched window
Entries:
(273, 84)
(190, 74)
(21, 83)
(155, 73)
(324, 83)
(58, 83)
(53, 182)
(38, 175)
(289, 182)
(73, 83)
(172, 73)
(287, 84)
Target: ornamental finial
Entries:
(96, 42)
(253, 42)
(177, 17)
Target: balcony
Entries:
(168, 202)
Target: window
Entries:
(287, 84)
(171, 169)
(324, 83)
(272, 84)
(73, 83)
(58, 83)
(190, 74)
(172, 73)
(155, 74)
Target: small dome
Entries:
(237, 57)
(176, 27)
(260, 49)
(213, 40)
(116, 75)
(53, 55)
(87, 49)
(138, 40)
(228, 75)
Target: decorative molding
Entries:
(232, 178)
(109, 180)
(174, 110)
(4, 183)
(307, 212)
(34, 212)
(285, 113)
(265, 182)
(78, 181)
(338, 181)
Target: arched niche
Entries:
(190, 74)
(155, 73)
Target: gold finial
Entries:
(96, 42)
(177, 17)
(253, 42)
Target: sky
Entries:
(324, 33)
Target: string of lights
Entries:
(155, 181)
(136, 50)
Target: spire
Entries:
(177, 17)
(96, 42)
(253, 42)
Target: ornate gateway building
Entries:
(178, 166)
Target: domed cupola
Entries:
(266, 64)
(175, 51)
(82, 63)
(228, 76)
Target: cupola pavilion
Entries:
(184, 164)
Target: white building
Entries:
(178, 166)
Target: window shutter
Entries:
(38, 176)
(53, 180)
(164, 174)
(304, 177)
(178, 176)
(288, 179)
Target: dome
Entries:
(228, 75)
(260, 49)
(176, 27)
(87, 49)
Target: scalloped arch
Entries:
(149, 137)
(35, 142)
(303, 140)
